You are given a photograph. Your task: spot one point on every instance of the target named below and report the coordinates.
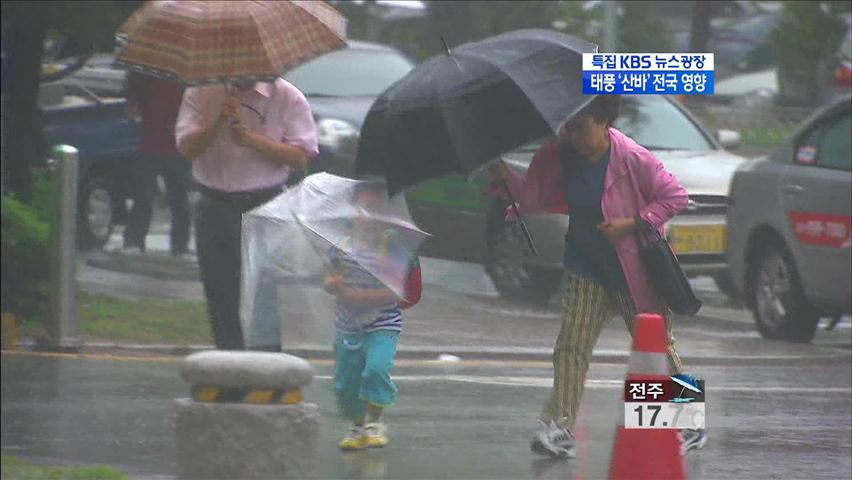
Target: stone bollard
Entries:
(246, 417)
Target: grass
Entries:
(766, 135)
(16, 469)
(104, 318)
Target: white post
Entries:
(610, 26)
(63, 320)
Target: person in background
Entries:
(608, 183)
(243, 140)
(156, 102)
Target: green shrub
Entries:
(25, 265)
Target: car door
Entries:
(454, 210)
(816, 192)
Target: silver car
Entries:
(468, 224)
(789, 244)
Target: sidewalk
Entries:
(460, 315)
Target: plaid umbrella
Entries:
(198, 42)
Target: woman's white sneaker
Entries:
(553, 440)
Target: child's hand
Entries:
(333, 283)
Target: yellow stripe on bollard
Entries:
(206, 394)
(260, 396)
(238, 395)
(292, 397)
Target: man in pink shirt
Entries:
(244, 141)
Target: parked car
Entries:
(100, 76)
(340, 87)
(740, 45)
(789, 245)
(754, 88)
(106, 141)
(468, 223)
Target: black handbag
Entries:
(664, 271)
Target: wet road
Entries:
(787, 414)
(466, 420)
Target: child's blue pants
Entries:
(363, 375)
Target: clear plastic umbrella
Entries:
(292, 241)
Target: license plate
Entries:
(698, 238)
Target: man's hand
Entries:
(231, 108)
(617, 228)
(498, 172)
(240, 133)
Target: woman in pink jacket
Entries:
(607, 182)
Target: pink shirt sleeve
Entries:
(663, 192)
(195, 113)
(299, 127)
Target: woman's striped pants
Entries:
(586, 307)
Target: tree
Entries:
(641, 31)
(699, 38)
(806, 40)
(82, 27)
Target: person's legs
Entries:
(142, 190)
(217, 229)
(377, 387)
(585, 309)
(627, 311)
(176, 173)
(348, 367)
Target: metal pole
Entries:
(610, 41)
(63, 321)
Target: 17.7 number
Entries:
(655, 408)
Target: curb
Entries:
(156, 265)
(468, 353)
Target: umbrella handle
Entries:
(526, 232)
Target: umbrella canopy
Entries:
(294, 238)
(688, 382)
(202, 42)
(457, 112)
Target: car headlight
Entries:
(334, 133)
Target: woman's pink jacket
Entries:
(636, 182)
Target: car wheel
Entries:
(514, 278)
(780, 308)
(96, 220)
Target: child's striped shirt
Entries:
(348, 318)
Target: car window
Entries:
(828, 145)
(836, 146)
(656, 124)
(349, 73)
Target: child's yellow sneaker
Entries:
(356, 439)
(375, 436)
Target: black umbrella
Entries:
(457, 112)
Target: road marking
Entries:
(615, 384)
(517, 381)
(97, 356)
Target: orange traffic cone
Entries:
(647, 454)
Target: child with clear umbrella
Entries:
(368, 319)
